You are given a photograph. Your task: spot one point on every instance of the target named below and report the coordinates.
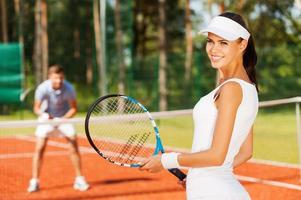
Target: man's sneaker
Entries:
(80, 184)
(33, 185)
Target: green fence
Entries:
(11, 74)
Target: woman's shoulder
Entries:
(235, 88)
(239, 81)
(235, 83)
(231, 93)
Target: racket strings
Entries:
(127, 147)
(126, 139)
(123, 107)
(144, 120)
(137, 147)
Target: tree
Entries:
(19, 13)
(99, 43)
(89, 65)
(41, 41)
(119, 48)
(162, 58)
(189, 42)
(4, 21)
(150, 56)
(44, 35)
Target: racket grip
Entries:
(178, 173)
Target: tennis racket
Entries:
(122, 131)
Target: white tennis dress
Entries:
(218, 182)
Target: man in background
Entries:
(59, 97)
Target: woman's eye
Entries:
(224, 43)
(209, 41)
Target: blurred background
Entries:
(146, 49)
(151, 50)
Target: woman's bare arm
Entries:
(228, 102)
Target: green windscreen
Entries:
(11, 74)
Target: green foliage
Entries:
(275, 25)
(276, 28)
(278, 72)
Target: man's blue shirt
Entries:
(57, 100)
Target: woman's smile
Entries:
(215, 58)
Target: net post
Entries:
(298, 122)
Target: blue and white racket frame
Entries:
(159, 147)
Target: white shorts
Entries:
(46, 130)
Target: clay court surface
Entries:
(263, 181)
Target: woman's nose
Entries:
(213, 48)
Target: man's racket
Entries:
(123, 132)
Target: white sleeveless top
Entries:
(219, 179)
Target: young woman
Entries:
(223, 119)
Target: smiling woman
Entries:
(223, 52)
(223, 119)
(231, 28)
(227, 34)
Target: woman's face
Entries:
(222, 52)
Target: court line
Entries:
(30, 155)
(56, 144)
(268, 182)
(90, 150)
(274, 163)
(64, 145)
(48, 153)
(167, 148)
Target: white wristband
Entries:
(170, 160)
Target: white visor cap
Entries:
(226, 28)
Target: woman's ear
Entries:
(243, 45)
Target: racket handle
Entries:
(178, 173)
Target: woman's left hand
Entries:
(153, 164)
